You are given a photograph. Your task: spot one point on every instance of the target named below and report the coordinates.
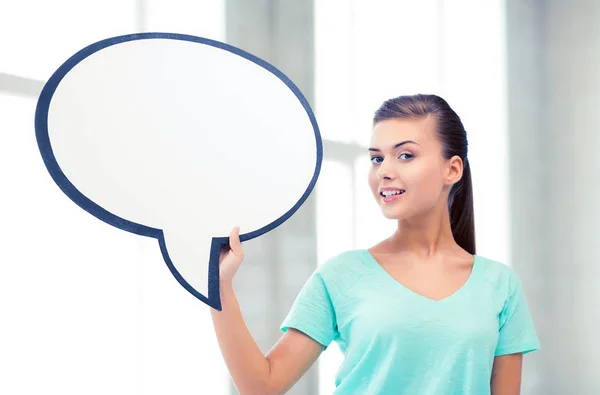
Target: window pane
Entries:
(395, 53)
(367, 52)
(38, 36)
(334, 210)
(335, 224)
(199, 18)
(334, 69)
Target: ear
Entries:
(454, 170)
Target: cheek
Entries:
(424, 180)
(432, 186)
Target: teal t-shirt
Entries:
(398, 342)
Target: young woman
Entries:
(417, 314)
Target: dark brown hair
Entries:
(452, 134)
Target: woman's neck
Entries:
(425, 236)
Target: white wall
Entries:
(554, 92)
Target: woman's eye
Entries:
(406, 156)
(376, 160)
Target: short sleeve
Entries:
(312, 312)
(517, 331)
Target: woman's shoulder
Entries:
(342, 259)
(499, 274)
(346, 265)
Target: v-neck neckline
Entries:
(427, 299)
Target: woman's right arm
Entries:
(251, 371)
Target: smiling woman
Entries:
(418, 312)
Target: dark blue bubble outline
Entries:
(43, 140)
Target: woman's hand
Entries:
(230, 258)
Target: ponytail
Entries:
(462, 219)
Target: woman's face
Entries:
(409, 175)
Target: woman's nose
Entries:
(384, 171)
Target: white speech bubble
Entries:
(179, 138)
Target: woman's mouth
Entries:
(389, 195)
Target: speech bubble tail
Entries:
(213, 272)
(185, 254)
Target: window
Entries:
(38, 36)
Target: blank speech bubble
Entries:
(179, 138)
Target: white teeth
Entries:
(390, 193)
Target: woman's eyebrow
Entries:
(395, 146)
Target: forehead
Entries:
(393, 131)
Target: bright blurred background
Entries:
(86, 308)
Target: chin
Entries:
(392, 213)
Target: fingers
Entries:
(234, 242)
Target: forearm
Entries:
(248, 366)
(499, 388)
(506, 375)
